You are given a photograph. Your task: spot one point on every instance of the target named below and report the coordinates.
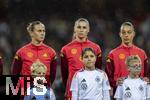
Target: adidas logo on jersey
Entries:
(83, 80)
(127, 88)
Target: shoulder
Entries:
(115, 50)
(23, 48)
(79, 72)
(92, 43)
(49, 48)
(68, 45)
(99, 70)
(138, 49)
(103, 73)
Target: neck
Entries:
(90, 68)
(36, 43)
(133, 76)
(128, 44)
(81, 39)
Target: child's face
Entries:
(40, 72)
(135, 68)
(89, 60)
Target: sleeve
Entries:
(74, 87)
(110, 69)
(16, 65)
(119, 93)
(64, 67)
(148, 92)
(106, 87)
(98, 63)
(106, 95)
(52, 95)
(53, 66)
(1, 66)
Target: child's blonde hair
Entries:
(131, 59)
(37, 68)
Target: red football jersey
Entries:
(71, 60)
(28, 54)
(116, 66)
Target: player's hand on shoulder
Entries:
(147, 79)
(120, 81)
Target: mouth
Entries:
(89, 62)
(42, 37)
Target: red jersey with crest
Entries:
(28, 54)
(116, 66)
(71, 60)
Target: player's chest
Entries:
(133, 88)
(90, 81)
(75, 52)
(36, 54)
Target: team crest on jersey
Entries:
(121, 56)
(45, 55)
(74, 51)
(97, 79)
(128, 94)
(83, 85)
(141, 88)
(30, 54)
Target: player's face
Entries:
(81, 30)
(127, 34)
(89, 60)
(38, 33)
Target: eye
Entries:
(85, 56)
(91, 56)
(84, 27)
(129, 32)
(123, 32)
(41, 30)
(78, 26)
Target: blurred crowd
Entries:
(105, 18)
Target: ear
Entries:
(31, 34)
(120, 34)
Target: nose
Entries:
(81, 28)
(42, 33)
(126, 34)
(89, 58)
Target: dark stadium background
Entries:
(105, 17)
